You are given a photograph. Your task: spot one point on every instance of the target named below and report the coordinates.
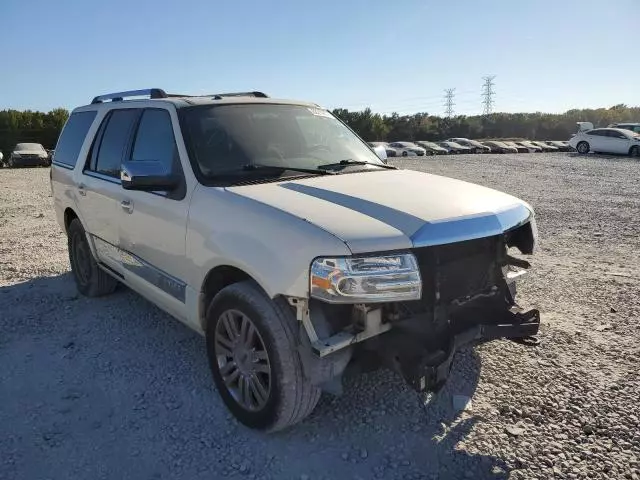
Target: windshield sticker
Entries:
(319, 112)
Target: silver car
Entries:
(28, 155)
(407, 149)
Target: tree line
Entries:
(534, 126)
(30, 127)
(40, 127)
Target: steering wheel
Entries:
(319, 146)
(274, 149)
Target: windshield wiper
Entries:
(251, 167)
(349, 162)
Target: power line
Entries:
(487, 94)
(448, 101)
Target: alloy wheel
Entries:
(243, 360)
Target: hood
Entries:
(393, 209)
(30, 152)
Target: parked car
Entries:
(519, 148)
(390, 151)
(475, 146)
(28, 155)
(432, 148)
(293, 261)
(545, 147)
(532, 147)
(499, 147)
(561, 146)
(406, 149)
(1, 159)
(453, 147)
(607, 140)
(634, 127)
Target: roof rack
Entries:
(219, 96)
(159, 93)
(120, 96)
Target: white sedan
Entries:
(607, 140)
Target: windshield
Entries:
(225, 139)
(35, 147)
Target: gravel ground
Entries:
(114, 388)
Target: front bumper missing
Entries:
(427, 369)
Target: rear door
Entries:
(153, 224)
(598, 140)
(99, 192)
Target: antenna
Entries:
(487, 94)
(448, 101)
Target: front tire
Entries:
(252, 345)
(404, 154)
(583, 148)
(90, 279)
(635, 151)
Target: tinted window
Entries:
(614, 134)
(154, 140)
(224, 140)
(114, 141)
(72, 137)
(597, 133)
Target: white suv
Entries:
(272, 229)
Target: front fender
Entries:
(275, 248)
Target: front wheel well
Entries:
(217, 279)
(69, 216)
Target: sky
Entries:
(400, 55)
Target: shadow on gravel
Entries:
(114, 388)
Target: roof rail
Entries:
(120, 96)
(219, 96)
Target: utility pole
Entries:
(448, 101)
(487, 94)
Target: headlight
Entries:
(381, 278)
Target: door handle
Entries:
(82, 190)
(127, 206)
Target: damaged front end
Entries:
(467, 293)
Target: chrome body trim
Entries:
(102, 176)
(165, 282)
(471, 227)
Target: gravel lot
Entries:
(113, 388)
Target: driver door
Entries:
(153, 224)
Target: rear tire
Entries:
(635, 151)
(583, 148)
(259, 375)
(90, 279)
(404, 154)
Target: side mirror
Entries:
(381, 152)
(149, 176)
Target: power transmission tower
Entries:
(448, 101)
(487, 94)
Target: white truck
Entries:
(272, 229)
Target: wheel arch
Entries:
(69, 216)
(214, 281)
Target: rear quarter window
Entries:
(72, 138)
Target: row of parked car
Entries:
(465, 145)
